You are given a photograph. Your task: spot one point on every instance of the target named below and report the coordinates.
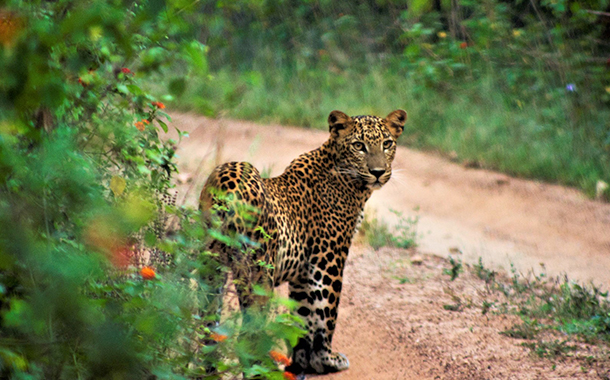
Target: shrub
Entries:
(83, 171)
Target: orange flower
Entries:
(139, 125)
(148, 273)
(145, 121)
(290, 376)
(218, 337)
(280, 358)
(463, 45)
(158, 105)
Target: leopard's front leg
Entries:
(318, 294)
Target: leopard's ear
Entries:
(395, 122)
(339, 123)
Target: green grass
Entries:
(548, 308)
(455, 270)
(555, 139)
(378, 233)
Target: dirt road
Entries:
(391, 330)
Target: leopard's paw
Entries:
(328, 363)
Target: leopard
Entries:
(303, 223)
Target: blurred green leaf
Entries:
(117, 185)
(177, 86)
(163, 126)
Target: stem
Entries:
(598, 13)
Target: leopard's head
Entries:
(366, 145)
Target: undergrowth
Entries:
(555, 313)
(377, 233)
(84, 168)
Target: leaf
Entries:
(150, 238)
(136, 90)
(177, 86)
(163, 125)
(137, 210)
(419, 7)
(117, 185)
(122, 89)
(13, 359)
(197, 56)
(155, 7)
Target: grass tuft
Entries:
(378, 233)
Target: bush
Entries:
(83, 171)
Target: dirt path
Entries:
(402, 331)
(394, 331)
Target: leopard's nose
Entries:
(377, 172)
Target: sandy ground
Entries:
(391, 330)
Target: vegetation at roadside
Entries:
(519, 86)
(555, 313)
(377, 233)
(83, 174)
(455, 270)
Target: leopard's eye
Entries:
(388, 144)
(359, 146)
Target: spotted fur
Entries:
(162, 226)
(310, 213)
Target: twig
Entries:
(598, 13)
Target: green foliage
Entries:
(550, 307)
(483, 273)
(249, 34)
(577, 309)
(455, 270)
(405, 231)
(378, 234)
(83, 169)
(550, 349)
(522, 87)
(529, 329)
